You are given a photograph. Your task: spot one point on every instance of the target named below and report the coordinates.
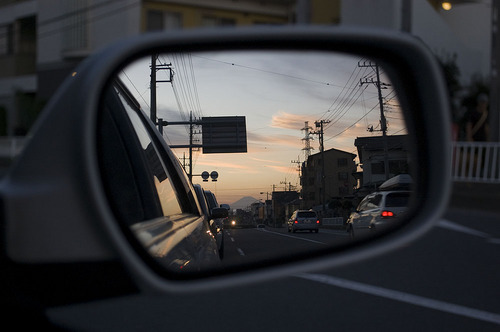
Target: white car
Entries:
(377, 210)
(303, 220)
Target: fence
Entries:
(476, 162)
(337, 221)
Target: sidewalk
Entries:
(484, 197)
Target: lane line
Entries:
(296, 237)
(404, 297)
(446, 224)
(241, 252)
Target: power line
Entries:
(270, 72)
(342, 108)
(352, 125)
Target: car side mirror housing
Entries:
(57, 206)
(219, 213)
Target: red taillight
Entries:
(296, 222)
(317, 221)
(387, 214)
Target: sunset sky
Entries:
(277, 93)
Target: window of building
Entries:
(398, 166)
(6, 40)
(75, 32)
(378, 168)
(154, 20)
(343, 191)
(342, 162)
(158, 20)
(212, 21)
(26, 35)
(343, 175)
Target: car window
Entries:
(397, 199)
(165, 190)
(362, 205)
(370, 202)
(306, 214)
(211, 200)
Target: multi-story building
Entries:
(41, 42)
(339, 182)
(18, 51)
(373, 153)
(283, 205)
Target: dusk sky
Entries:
(277, 92)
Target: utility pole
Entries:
(190, 174)
(192, 122)
(383, 121)
(285, 183)
(154, 69)
(152, 87)
(298, 162)
(320, 132)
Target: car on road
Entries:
(303, 220)
(215, 215)
(377, 211)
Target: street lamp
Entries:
(446, 5)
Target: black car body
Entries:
(215, 216)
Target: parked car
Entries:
(303, 220)
(377, 211)
(215, 217)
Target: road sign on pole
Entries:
(224, 134)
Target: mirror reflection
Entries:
(288, 153)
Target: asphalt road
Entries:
(448, 280)
(253, 244)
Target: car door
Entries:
(146, 189)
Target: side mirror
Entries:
(219, 213)
(98, 182)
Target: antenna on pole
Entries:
(383, 121)
(307, 140)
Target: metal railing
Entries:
(476, 162)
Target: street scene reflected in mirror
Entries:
(304, 150)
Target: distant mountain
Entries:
(243, 203)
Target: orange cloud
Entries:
(289, 121)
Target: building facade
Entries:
(339, 182)
(374, 152)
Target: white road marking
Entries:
(404, 297)
(241, 252)
(296, 237)
(443, 223)
(232, 239)
(494, 241)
